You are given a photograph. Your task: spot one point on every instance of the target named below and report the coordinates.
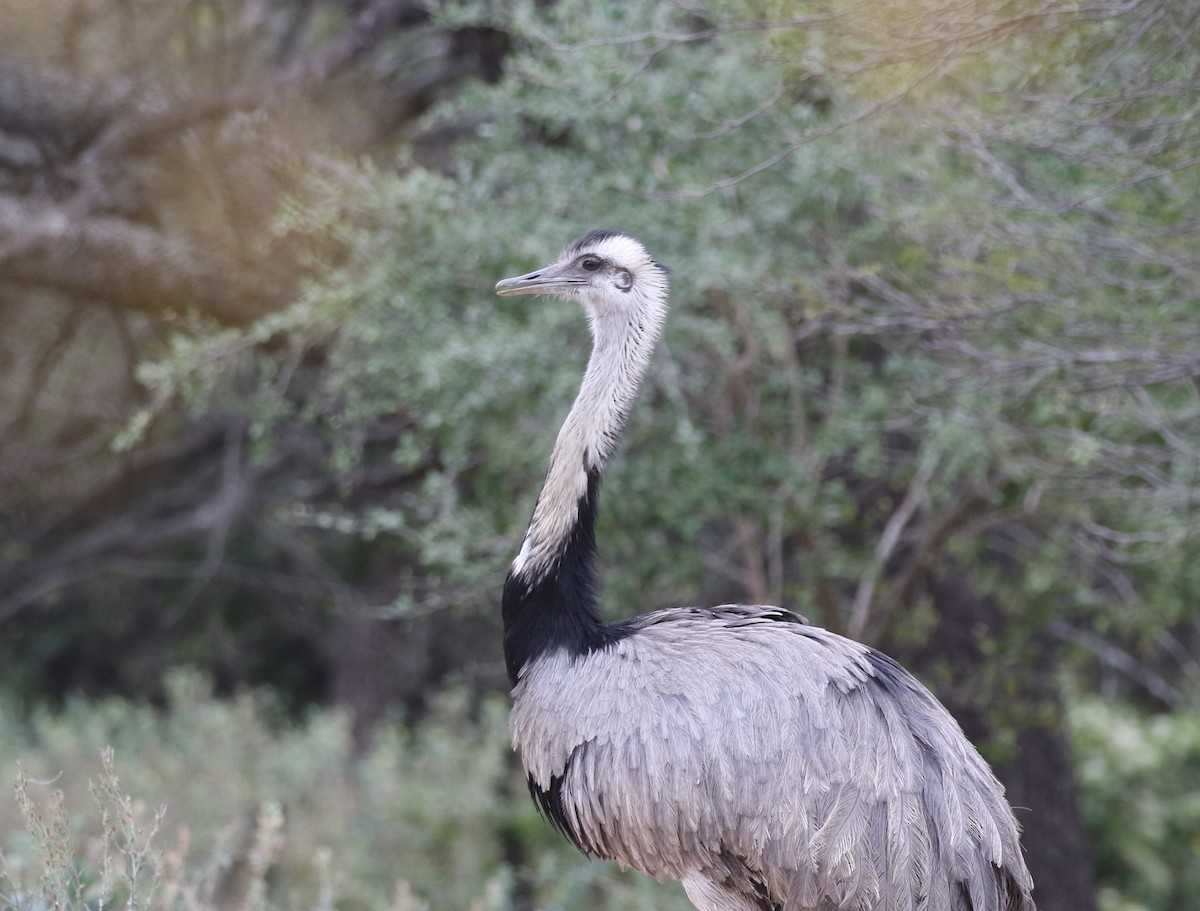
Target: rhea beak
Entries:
(550, 280)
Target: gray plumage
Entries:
(766, 764)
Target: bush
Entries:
(1141, 790)
(231, 809)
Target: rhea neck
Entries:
(550, 595)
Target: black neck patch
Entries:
(558, 607)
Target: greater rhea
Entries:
(767, 764)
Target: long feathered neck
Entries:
(550, 595)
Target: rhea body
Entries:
(767, 764)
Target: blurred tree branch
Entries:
(107, 260)
(146, 156)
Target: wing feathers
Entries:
(812, 760)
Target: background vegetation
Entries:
(930, 379)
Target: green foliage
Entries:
(220, 805)
(937, 289)
(257, 815)
(1140, 779)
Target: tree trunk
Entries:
(1037, 769)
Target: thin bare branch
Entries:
(860, 612)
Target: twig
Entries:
(861, 611)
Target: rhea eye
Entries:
(591, 264)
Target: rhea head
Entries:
(611, 273)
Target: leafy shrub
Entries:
(1141, 789)
(232, 810)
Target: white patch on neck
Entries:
(557, 508)
(522, 558)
